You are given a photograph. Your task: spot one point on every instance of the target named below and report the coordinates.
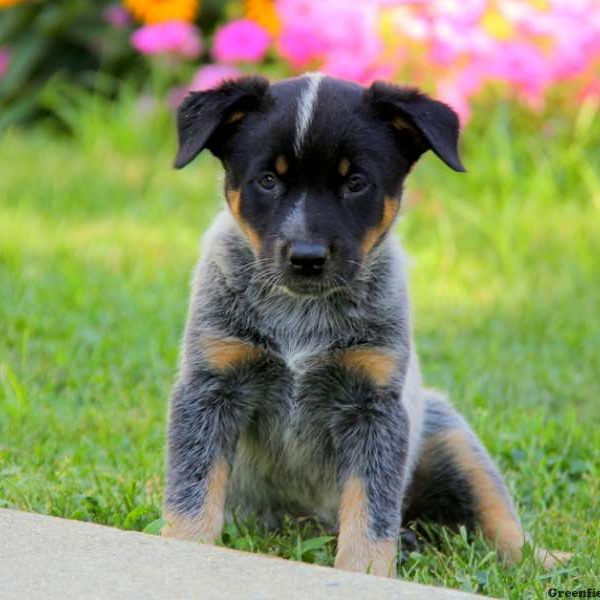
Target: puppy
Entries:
(299, 389)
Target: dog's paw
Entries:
(551, 559)
(409, 542)
(191, 529)
(375, 558)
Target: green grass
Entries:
(98, 236)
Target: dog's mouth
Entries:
(317, 285)
(296, 287)
(272, 275)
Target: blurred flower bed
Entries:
(528, 51)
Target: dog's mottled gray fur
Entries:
(293, 423)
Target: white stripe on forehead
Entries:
(294, 225)
(306, 109)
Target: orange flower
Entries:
(158, 11)
(9, 3)
(264, 13)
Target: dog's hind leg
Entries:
(456, 482)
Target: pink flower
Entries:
(4, 61)
(299, 45)
(523, 65)
(378, 72)
(117, 16)
(210, 76)
(241, 40)
(527, 46)
(344, 36)
(301, 12)
(354, 31)
(352, 68)
(463, 12)
(346, 66)
(590, 92)
(171, 37)
(449, 40)
(449, 91)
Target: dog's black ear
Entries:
(207, 119)
(426, 124)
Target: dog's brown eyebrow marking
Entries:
(224, 354)
(390, 208)
(234, 199)
(344, 167)
(236, 116)
(281, 165)
(377, 364)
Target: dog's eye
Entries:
(267, 182)
(354, 184)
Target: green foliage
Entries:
(302, 539)
(98, 236)
(155, 527)
(70, 40)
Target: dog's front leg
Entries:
(371, 437)
(198, 464)
(209, 407)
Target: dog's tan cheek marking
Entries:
(356, 551)
(377, 364)
(281, 165)
(223, 354)
(390, 208)
(207, 526)
(493, 510)
(344, 167)
(234, 199)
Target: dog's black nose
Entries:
(307, 258)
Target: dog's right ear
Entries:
(207, 119)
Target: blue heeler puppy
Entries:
(299, 390)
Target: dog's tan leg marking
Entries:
(207, 526)
(356, 550)
(494, 512)
(234, 199)
(390, 208)
(224, 353)
(378, 364)
(281, 165)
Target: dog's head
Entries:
(315, 166)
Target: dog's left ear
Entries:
(423, 123)
(208, 119)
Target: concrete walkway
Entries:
(49, 558)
